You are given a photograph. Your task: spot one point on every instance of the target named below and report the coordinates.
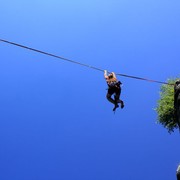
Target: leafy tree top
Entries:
(165, 107)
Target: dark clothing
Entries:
(114, 88)
(178, 173)
(114, 84)
(111, 91)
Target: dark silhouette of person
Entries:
(114, 87)
(177, 101)
(178, 173)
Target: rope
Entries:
(75, 62)
(144, 79)
(49, 54)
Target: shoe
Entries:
(116, 106)
(122, 105)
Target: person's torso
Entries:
(113, 84)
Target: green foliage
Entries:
(165, 107)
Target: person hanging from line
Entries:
(177, 101)
(114, 87)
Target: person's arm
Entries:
(105, 74)
(114, 76)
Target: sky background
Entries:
(55, 121)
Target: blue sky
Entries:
(55, 122)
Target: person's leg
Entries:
(117, 97)
(109, 94)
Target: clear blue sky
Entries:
(55, 122)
